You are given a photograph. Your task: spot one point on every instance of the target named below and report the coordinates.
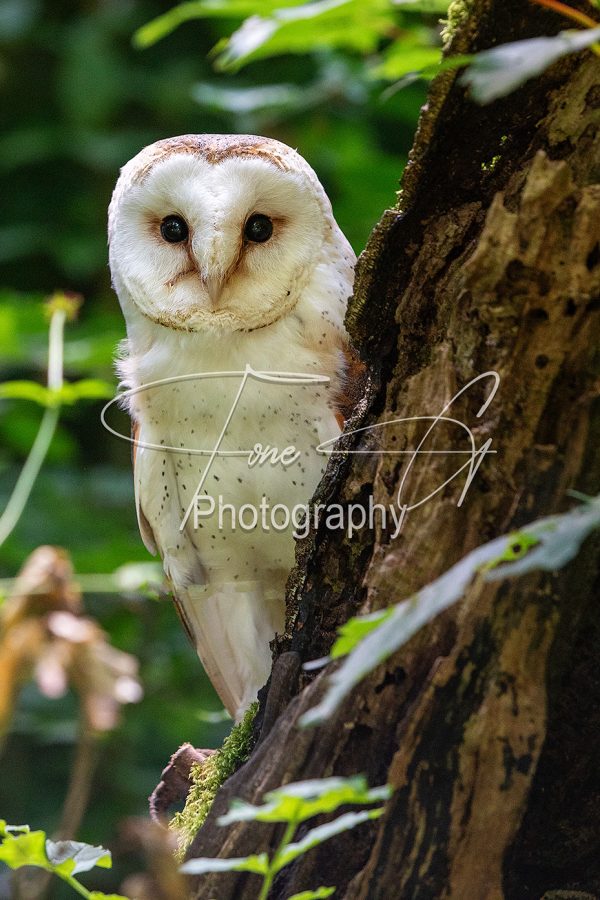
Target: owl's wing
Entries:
(232, 626)
(229, 625)
(148, 537)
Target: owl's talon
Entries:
(175, 781)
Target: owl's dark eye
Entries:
(174, 229)
(258, 228)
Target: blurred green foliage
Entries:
(79, 99)
(22, 847)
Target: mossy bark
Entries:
(486, 723)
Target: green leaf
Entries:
(348, 24)
(26, 390)
(244, 100)
(138, 576)
(281, 26)
(319, 894)
(86, 389)
(302, 800)
(427, 73)
(72, 857)
(354, 630)
(69, 393)
(163, 25)
(6, 829)
(407, 55)
(322, 833)
(520, 543)
(64, 858)
(547, 544)
(98, 895)
(27, 849)
(256, 864)
(496, 72)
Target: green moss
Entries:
(458, 12)
(208, 777)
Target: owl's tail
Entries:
(231, 626)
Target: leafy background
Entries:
(79, 100)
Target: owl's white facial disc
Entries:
(217, 278)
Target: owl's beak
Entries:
(214, 289)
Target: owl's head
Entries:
(216, 232)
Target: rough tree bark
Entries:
(488, 722)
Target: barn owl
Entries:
(228, 262)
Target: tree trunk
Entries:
(487, 723)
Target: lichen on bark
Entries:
(458, 12)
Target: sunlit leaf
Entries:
(496, 72)
(520, 544)
(69, 393)
(322, 833)
(304, 799)
(138, 576)
(71, 857)
(98, 895)
(256, 864)
(409, 54)
(27, 849)
(6, 829)
(241, 100)
(295, 803)
(354, 630)
(319, 893)
(86, 389)
(547, 544)
(25, 390)
(163, 25)
(63, 858)
(348, 24)
(427, 73)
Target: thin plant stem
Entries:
(34, 886)
(55, 349)
(30, 471)
(77, 886)
(288, 834)
(574, 14)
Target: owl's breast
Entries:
(239, 466)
